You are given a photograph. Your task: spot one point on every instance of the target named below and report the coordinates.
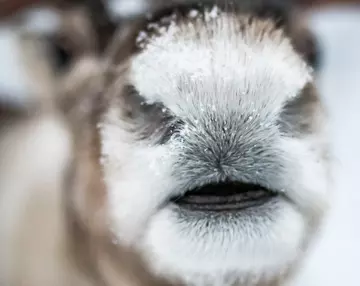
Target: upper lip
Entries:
(226, 196)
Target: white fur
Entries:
(199, 253)
(137, 203)
(244, 62)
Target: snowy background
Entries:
(336, 259)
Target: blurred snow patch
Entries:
(127, 8)
(335, 258)
(12, 77)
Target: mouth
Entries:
(224, 197)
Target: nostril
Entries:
(224, 196)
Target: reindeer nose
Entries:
(224, 196)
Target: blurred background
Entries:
(335, 260)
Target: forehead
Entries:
(220, 60)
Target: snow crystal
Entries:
(213, 14)
(154, 26)
(162, 30)
(99, 126)
(193, 13)
(141, 37)
(102, 161)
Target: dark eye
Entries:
(298, 116)
(61, 53)
(62, 57)
(148, 119)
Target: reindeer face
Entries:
(213, 149)
(199, 145)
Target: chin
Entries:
(234, 245)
